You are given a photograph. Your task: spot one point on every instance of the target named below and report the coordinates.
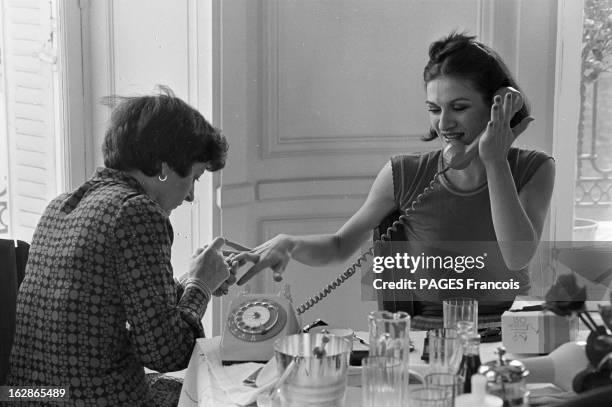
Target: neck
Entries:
(469, 178)
(145, 181)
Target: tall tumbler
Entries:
(389, 334)
(384, 382)
(460, 309)
(445, 351)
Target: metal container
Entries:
(319, 373)
(506, 379)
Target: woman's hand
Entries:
(275, 253)
(209, 265)
(234, 263)
(498, 137)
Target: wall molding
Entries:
(296, 189)
(236, 195)
(274, 144)
(304, 189)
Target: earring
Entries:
(162, 179)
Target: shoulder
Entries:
(410, 171)
(138, 207)
(142, 220)
(414, 163)
(525, 159)
(418, 158)
(525, 163)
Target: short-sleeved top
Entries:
(446, 214)
(99, 301)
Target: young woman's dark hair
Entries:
(148, 130)
(461, 56)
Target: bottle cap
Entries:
(503, 370)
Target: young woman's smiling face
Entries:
(457, 111)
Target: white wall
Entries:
(135, 45)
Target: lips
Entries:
(452, 136)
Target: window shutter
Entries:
(30, 82)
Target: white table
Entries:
(199, 390)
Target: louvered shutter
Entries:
(30, 78)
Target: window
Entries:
(36, 159)
(593, 193)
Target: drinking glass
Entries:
(452, 383)
(445, 350)
(429, 397)
(389, 334)
(460, 309)
(384, 381)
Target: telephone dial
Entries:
(255, 321)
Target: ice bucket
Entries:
(317, 378)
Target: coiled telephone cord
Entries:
(342, 277)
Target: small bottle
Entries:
(470, 362)
(478, 397)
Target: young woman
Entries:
(502, 194)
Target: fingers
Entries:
(507, 109)
(218, 243)
(279, 269)
(222, 290)
(231, 280)
(243, 257)
(495, 109)
(253, 271)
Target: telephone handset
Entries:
(456, 155)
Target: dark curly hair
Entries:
(146, 131)
(461, 56)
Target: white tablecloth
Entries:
(209, 384)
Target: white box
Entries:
(534, 332)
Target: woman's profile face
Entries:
(176, 189)
(457, 111)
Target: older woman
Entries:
(99, 302)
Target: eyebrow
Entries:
(452, 101)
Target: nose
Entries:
(446, 121)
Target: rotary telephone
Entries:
(255, 321)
